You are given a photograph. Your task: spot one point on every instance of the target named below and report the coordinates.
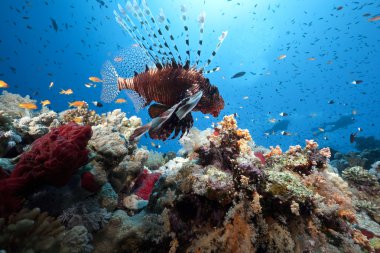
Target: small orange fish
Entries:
(78, 120)
(3, 84)
(95, 79)
(45, 102)
(66, 92)
(118, 59)
(375, 18)
(77, 104)
(29, 106)
(281, 57)
(120, 101)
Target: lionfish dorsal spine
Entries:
(138, 14)
(211, 70)
(164, 21)
(131, 31)
(220, 42)
(201, 21)
(154, 27)
(187, 40)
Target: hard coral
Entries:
(52, 160)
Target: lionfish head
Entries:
(215, 102)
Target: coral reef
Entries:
(81, 115)
(100, 193)
(35, 127)
(9, 104)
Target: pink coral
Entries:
(52, 160)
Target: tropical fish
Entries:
(97, 104)
(66, 92)
(88, 85)
(357, 82)
(3, 84)
(375, 18)
(158, 72)
(29, 106)
(77, 104)
(283, 114)
(120, 101)
(283, 56)
(51, 85)
(95, 79)
(45, 102)
(237, 75)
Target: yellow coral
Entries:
(228, 123)
(273, 151)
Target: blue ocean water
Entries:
(327, 44)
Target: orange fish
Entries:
(120, 101)
(77, 104)
(78, 120)
(3, 84)
(375, 18)
(45, 102)
(29, 106)
(95, 79)
(281, 57)
(66, 92)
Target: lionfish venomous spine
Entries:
(155, 71)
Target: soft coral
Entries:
(52, 160)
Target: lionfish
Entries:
(155, 71)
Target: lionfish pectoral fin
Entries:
(138, 101)
(140, 131)
(156, 110)
(188, 105)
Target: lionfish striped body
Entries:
(174, 86)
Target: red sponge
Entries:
(145, 183)
(52, 160)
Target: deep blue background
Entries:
(345, 45)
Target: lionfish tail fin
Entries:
(109, 76)
(221, 39)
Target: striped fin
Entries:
(186, 28)
(132, 32)
(221, 39)
(201, 21)
(165, 22)
(139, 15)
(156, 27)
(212, 70)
